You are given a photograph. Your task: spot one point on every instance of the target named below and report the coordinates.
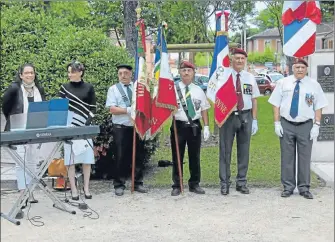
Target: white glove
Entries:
(129, 111)
(315, 131)
(278, 129)
(206, 133)
(254, 128)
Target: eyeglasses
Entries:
(28, 72)
(186, 70)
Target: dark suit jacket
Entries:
(12, 102)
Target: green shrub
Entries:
(50, 43)
(266, 56)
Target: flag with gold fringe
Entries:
(221, 90)
(142, 105)
(164, 102)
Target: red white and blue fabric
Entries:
(300, 19)
(220, 89)
(221, 52)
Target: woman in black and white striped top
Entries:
(82, 103)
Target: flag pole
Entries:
(178, 156)
(133, 164)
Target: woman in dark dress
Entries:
(16, 99)
(82, 103)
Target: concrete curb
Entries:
(322, 174)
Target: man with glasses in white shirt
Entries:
(297, 105)
(242, 123)
(192, 106)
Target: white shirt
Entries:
(249, 87)
(311, 98)
(114, 98)
(199, 100)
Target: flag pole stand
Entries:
(133, 163)
(178, 156)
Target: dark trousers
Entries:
(296, 139)
(232, 126)
(123, 150)
(186, 136)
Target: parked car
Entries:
(264, 85)
(199, 80)
(272, 76)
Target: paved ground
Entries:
(260, 216)
(325, 170)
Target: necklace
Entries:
(30, 92)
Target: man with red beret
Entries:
(297, 105)
(242, 123)
(192, 105)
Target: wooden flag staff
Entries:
(178, 156)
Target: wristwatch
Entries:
(317, 123)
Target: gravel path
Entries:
(260, 216)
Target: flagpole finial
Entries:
(138, 11)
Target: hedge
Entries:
(30, 34)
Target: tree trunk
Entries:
(129, 21)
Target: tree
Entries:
(50, 41)
(236, 38)
(129, 20)
(266, 56)
(327, 9)
(187, 21)
(271, 17)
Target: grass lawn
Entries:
(264, 164)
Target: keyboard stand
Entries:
(36, 179)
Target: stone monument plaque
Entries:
(326, 128)
(326, 77)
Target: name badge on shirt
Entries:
(309, 98)
(247, 89)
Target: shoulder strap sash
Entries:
(123, 94)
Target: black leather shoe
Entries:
(175, 192)
(197, 190)
(119, 191)
(33, 201)
(89, 196)
(286, 193)
(141, 189)
(225, 190)
(242, 189)
(306, 195)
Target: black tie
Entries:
(130, 93)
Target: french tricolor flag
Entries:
(221, 52)
(300, 19)
(220, 89)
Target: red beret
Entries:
(186, 64)
(239, 51)
(300, 61)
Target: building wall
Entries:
(250, 46)
(260, 45)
